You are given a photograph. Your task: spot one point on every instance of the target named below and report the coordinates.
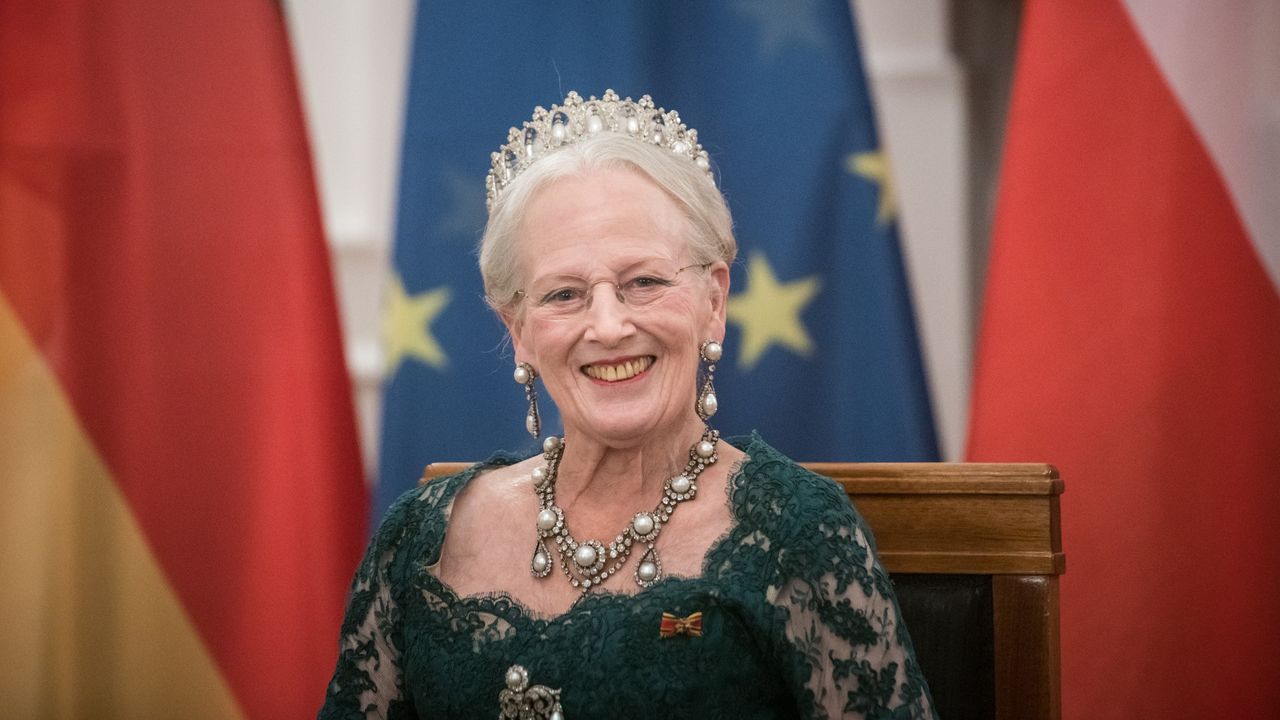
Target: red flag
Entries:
(1131, 336)
(182, 495)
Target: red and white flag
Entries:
(1131, 336)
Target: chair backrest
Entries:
(975, 552)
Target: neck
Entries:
(594, 472)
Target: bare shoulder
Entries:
(487, 511)
(495, 489)
(729, 455)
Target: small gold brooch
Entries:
(672, 626)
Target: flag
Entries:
(1131, 336)
(181, 495)
(821, 353)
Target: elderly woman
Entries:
(640, 566)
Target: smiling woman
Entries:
(616, 572)
(609, 249)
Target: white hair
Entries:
(711, 227)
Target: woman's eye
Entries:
(563, 295)
(649, 281)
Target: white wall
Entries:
(919, 92)
(352, 58)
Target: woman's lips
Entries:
(615, 372)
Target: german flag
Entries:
(181, 493)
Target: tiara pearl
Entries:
(576, 119)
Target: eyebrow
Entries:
(567, 276)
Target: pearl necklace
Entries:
(589, 563)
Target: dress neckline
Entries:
(505, 605)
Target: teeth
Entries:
(621, 371)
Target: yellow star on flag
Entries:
(406, 325)
(768, 312)
(874, 167)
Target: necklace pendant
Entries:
(644, 527)
(540, 565)
(649, 569)
(588, 559)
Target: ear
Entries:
(515, 328)
(719, 296)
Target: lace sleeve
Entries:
(851, 654)
(369, 680)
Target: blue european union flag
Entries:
(821, 354)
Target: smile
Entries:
(621, 371)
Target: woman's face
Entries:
(618, 371)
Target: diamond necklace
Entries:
(589, 563)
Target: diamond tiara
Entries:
(576, 119)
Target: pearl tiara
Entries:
(575, 119)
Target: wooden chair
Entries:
(975, 553)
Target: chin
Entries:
(623, 428)
(620, 433)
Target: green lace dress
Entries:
(798, 620)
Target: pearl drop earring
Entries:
(525, 375)
(707, 404)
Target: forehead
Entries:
(600, 221)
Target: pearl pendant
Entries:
(709, 404)
(540, 565)
(649, 571)
(642, 524)
(585, 556)
(531, 424)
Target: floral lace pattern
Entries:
(798, 620)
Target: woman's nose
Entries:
(608, 316)
(617, 291)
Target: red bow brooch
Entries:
(672, 626)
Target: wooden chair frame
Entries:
(999, 520)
